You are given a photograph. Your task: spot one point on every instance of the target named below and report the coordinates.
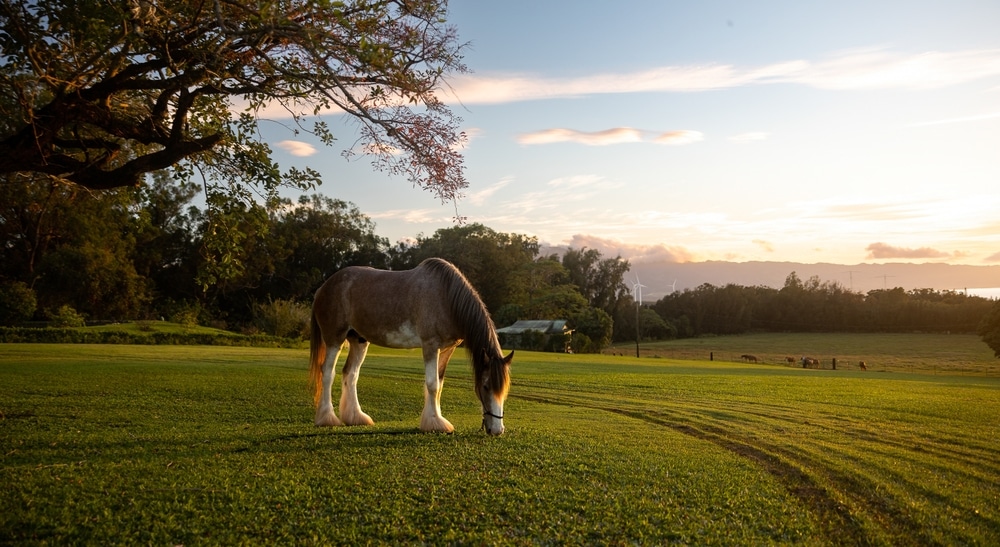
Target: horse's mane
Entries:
(477, 327)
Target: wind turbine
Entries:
(673, 287)
(637, 290)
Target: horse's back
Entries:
(388, 308)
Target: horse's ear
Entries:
(509, 358)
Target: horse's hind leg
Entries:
(324, 410)
(435, 362)
(350, 408)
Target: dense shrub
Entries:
(186, 316)
(66, 317)
(17, 303)
(284, 318)
(81, 336)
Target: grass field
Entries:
(195, 445)
(928, 353)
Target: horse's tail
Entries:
(317, 353)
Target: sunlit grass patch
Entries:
(188, 445)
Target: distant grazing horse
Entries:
(809, 361)
(749, 358)
(790, 359)
(863, 365)
(432, 307)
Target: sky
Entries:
(841, 132)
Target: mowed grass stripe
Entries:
(190, 445)
(873, 459)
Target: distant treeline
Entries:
(816, 306)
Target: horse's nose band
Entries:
(491, 415)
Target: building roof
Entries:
(547, 326)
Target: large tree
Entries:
(989, 328)
(100, 92)
(71, 246)
(487, 257)
(601, 280)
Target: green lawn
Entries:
(194, 445)
(916, 352)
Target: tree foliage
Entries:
(989, 329)
(487, 258)
(601, 280)
(817, 306)
(100, 92)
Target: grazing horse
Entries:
(790, 359)
(749, 358)
(432, 307)
(862, 365)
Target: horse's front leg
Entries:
(431, 419)
(350, 407)
(324, 410)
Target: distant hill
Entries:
(657, 277)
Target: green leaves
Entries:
(989, 329)
(101, 93)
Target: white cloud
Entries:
(412, 216)
(617, 135)
(880, 69)
(480, 197)
(297, 148)
(378, 149)
(634, 253)
(764, 245)
(471, 134)
(881, 250)
(679, 137)
(871, 68)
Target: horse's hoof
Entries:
(436, 425)
(360, 419)
(328, 420)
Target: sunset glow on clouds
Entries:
(853, 70)
(607, 137)
(834, 132)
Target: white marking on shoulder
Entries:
(404, 337)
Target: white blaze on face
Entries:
(404, 337)
(493, 415)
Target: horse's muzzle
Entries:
(492, 424)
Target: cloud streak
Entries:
(636, 254)
(871, 68)
(881, 250)
(297, 148)
(617, 135)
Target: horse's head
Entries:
(492, 385)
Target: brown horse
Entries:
(432, 307)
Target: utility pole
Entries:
(851, 273)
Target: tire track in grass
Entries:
(839, 522)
